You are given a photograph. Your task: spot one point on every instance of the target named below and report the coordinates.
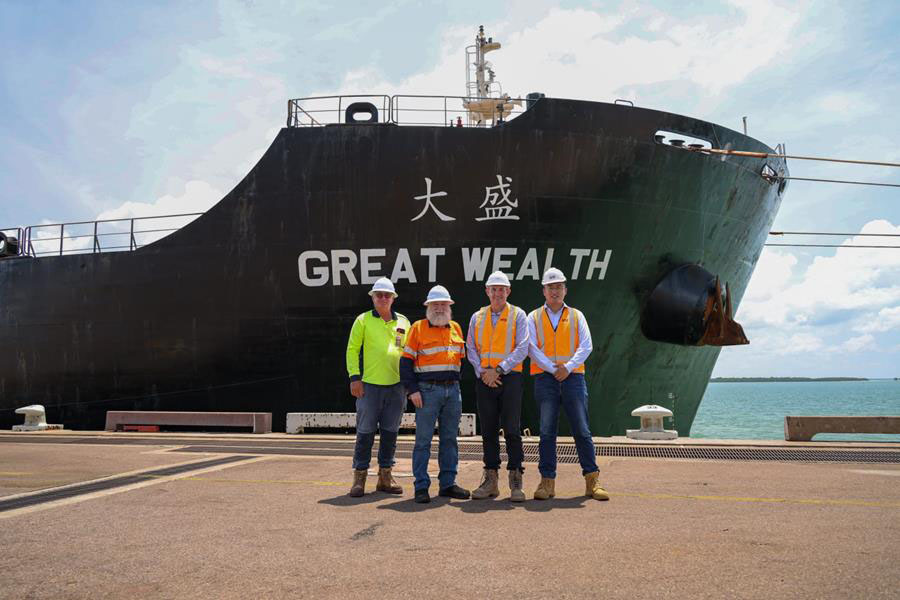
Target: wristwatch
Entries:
(499, 370)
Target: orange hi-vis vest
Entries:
(433, 349)
(495, 343)
(558, 345)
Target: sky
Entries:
(120, 109)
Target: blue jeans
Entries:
(441, 404)
(381, 406)
(572, 394)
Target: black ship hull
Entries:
(249, 306)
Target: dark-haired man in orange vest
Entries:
(559, 343)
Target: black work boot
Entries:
(454, 491)
(422, 496)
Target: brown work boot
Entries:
(488, 487)
(386, 482)
(515, 486)
(546, 489)
(592, 487)
(359, 483)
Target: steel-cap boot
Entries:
(515, 486)
(546, 489)
(386, 482)
(592, 488)
(359, 483)
(488, 487)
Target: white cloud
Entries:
(845, 104)
(114, 227)
(834, 316)
(862, 342)
(886, 320)
(585, 54)
(782, 343)
(853, 279)
(198, 196)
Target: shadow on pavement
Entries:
(345, 500)
(409, 504)
(482, 506)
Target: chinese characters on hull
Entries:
(497, 203)
(428, 204)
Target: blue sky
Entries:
(116, 109)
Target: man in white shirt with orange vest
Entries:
(429, 370)
(559, 343)
(496, 345)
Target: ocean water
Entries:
(756, 411)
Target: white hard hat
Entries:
(438, 294)
(553, 275)
(383, 285)
(497, 278)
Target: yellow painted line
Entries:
(813, 501)
(574, 494)
(277, 481)
(14, 473)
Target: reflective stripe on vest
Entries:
(438, 348)
(433, 368)
(553, 343)
(494, 344)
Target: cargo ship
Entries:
(247, 307)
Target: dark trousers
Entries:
(501, 407)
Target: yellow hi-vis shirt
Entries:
(381, 343)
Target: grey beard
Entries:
(437, 320)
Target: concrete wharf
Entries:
(196, 515)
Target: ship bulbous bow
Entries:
(687, 307)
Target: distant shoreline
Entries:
(782, 379)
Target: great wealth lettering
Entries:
(346, 266)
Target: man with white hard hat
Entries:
(429, 370)
(373, 364)
(559, 343)
(496, 345)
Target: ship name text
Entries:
(362, 267)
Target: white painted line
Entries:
(876, 472)
(151, 480)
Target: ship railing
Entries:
(403, 109)
(101, 235)
(318, 111)
(453, 111)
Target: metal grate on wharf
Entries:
(567, 453)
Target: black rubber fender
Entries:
(673, 312)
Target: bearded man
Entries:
(429, 370)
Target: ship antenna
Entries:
(484, 100)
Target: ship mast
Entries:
(485, 101)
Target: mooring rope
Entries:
(828, 246)
(895, 185)
(835, 234)
(794, 156)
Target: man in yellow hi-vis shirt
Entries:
(373, 364)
